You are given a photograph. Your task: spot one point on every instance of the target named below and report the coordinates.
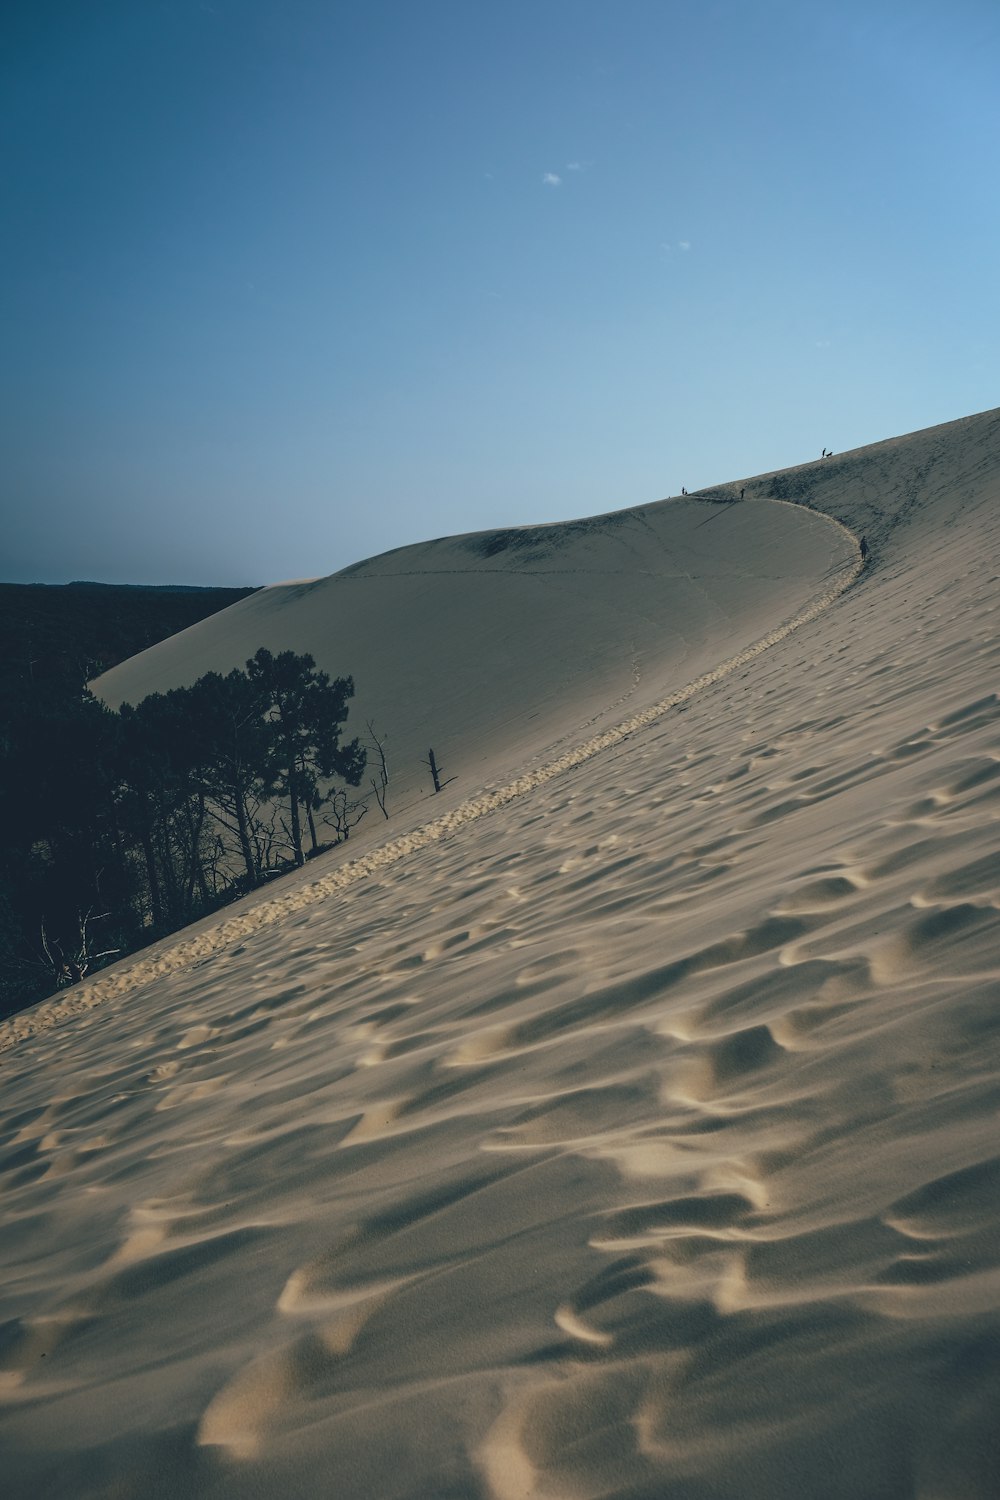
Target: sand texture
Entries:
(621, 1122)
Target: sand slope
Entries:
(633, 1134)
(489, 647)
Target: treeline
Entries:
(121, 827)
(56, 636)
(218, 783)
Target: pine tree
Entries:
(226, 721)
(305, 712)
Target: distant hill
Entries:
(154, 588)
(71, 632)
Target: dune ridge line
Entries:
(190, 952)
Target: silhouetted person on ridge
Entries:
(864, 549)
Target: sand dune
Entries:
(621, 1122)
(491, 647)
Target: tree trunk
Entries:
(312, 828)
(152, 875)
(169, 873)
(293, 803)
(243, 828)
(196, 873)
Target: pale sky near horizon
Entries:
(285, 283)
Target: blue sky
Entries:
(286, 284)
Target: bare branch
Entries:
(379, 786)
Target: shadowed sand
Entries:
(621, 1122)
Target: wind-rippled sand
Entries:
(623, 1124)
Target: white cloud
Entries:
(684, 244)
(551, 179)
(574, 166)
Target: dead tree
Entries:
(346, 814)
(380, 782)
(436, 772)
(214, 864)
(70, 968)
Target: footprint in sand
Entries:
(958, 940)
(196, 1036)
